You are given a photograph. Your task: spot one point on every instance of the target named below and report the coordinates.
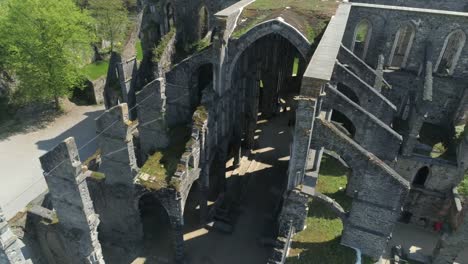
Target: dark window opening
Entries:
(348, 92)
(343, 123)
(421, 177)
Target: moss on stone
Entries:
(159, 169)
(200, 116)
(92, 157)
(308, 16)
(98, 176)
(463, 187)
(158, 51)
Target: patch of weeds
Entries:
(159, 169)
(159, 49)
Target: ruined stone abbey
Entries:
(222, 85)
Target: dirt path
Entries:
(21, 178)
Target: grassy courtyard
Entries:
(309, 16)
(319, 243)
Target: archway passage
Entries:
(158, 237)
(421, 177)
(343, 123)
(257, 114)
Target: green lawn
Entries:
(319, 243)
(139, 51)
(463, 187)
(95, 70)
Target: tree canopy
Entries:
(112, 19)
(45, 42)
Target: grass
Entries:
(98, 176)
(320, 241)
(296, 66)
(96, 70)
(159, 49)
(308, 16)
(463, 187)
(139, 51)
(158, 170)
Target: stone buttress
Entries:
(71, 200)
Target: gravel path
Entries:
(21, 178)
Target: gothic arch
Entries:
(361, 38)
(451, 52)
(296, 38)
(402, 45)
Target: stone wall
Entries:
(443, 174)
(379, 191)
(431, 31)
(70, 197)
(453, 5)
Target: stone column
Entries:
(379, 72)
(70, 197)
(119, 167)
(11, 248)
(409, 142)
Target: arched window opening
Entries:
(343, 123)
(402, 46)
(451, 51)
(170, 16)
(362, 35)
(348, 92)
(421, 177)
(204, 22)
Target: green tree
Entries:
(46, 43)
(112, 19)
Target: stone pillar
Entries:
(379, 72)
(451, 245)
(119, 166)
(462, 152)
(127, 70)
(71, 200)
(409, 142)
(11, 248)
(179, 243)
(305, 115)
(151, 117)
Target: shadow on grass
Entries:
(329, 252)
